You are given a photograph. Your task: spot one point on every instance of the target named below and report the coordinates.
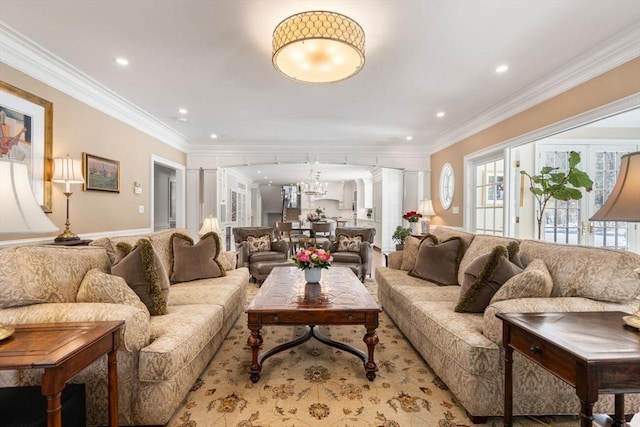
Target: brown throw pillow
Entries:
(349, 243)
(483, 278)
(534, 282)
(192, 262)
(410, 253)
(260, 243)
(438, 262)
(143, 271)
(98, 286)
(513, 249)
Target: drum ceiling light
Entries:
(318, 47)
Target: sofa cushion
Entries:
(177, 338)
(582, 271)
(349, 243)
(445, 233)
(535, 281)
(193, 262)
(482, 244)
(38, 274)
(144, 272)
(98, 286)
(228, 260)
(346, 257)
(259, 243)
(410, 253)
(208, 291)
(268, 256)
(483, 278)
(438, 261)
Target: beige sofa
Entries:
(464, 349)
(160, 357)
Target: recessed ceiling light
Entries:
(502, 68)
(259, 172)
(440, 114)
(122, 61)
(214, 136)
(182, 119)
(409, 138)
(183, 111)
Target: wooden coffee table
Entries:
(286, 299)
(594, 352)
(63, 350)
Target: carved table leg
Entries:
(618, 418)
(586, 413)
(255, 341)
(370, 339)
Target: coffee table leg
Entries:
(619, 420)
(54, 410)
(255, 341)
(508, 386)
(370, 339)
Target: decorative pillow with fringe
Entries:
(192, 262)
(349, 243)
(482, 279)
(438, 262)
(143, 271)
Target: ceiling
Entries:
(213, 57)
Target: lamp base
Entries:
(66, 236)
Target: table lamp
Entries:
(210, 224)
(426, 209)
(67, 171)
(20, 212)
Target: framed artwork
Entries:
(26, 134)
(494, 190)
(234, 205)
(100, 174)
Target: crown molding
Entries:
(28, 57)
(607, 55)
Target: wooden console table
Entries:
(594, 352)
(63, 350)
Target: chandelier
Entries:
(312, 186)
(318, 47)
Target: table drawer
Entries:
(307, 318)
(558, 361)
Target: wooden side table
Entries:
(63, 350)
(594, 352)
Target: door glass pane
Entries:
(489, 197)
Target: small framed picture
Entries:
(100, 174)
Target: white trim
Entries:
(91, 236)
(609, 54)
(27, 56)
(180, 187)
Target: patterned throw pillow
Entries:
(260, 243)
(438, 262)
(98, 286)
(143, 271)
(482, 279)
(534, 282)
(409, 253)
(349, 243)
(192, 262)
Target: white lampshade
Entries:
(20, 212)
(426, 208)
(210, 224)
(68, 171)
(623, 203)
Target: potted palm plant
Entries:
(399, 235)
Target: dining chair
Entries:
(321, 232)
(284, 231)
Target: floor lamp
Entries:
(20, 212)
(68, 171)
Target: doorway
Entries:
(167, 193)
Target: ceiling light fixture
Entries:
(440, 114)
(214, 136)
(122, 61)
(502, 68)
(409, 138)
(318, 47)
(312, 186)
(183, 111)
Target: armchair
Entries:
(258, 246)
(353, 248)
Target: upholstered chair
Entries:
(353, 248)
(258, 244)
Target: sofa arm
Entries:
(366, 255)
(135, 333)
(280, 246)
(492, 326)
(243, 254)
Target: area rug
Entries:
(318, 385)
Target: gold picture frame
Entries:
(100, 173)
(29, 117)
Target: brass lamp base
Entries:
(66, 236)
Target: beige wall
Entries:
(78, 127)
(616, 84)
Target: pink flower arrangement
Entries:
(312, 257)
(412, 216)
(313, 217)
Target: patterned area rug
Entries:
(318, 385)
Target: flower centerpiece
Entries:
(313, 217)
(312, 260)
(413, 217)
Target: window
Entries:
(489, 197)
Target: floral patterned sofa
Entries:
(160, 357)
(464, 348)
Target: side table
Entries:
(594, 352)
(63, 350)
